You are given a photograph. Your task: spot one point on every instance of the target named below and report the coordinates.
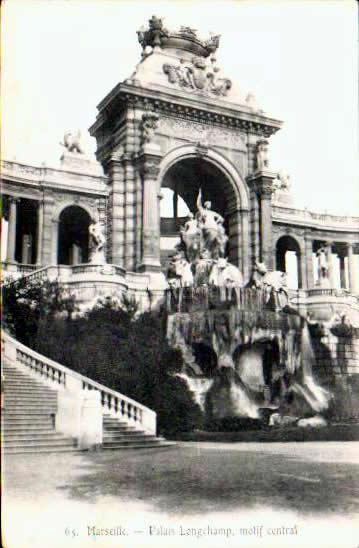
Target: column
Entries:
(116, 243)
(308, 242)
(234, 240)
(175, 204)
(26, 248)
(40, 225)
(149, 165)
(50, 234)
(330, 263)
(351, 269)
(245, 244)
(342, 270)
(266, 227)
(11, 237)
(54, 241)
(262, 184)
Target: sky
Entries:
(299, 58)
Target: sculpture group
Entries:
(200, 256)
(200, 259)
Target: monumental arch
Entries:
(177, 125)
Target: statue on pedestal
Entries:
(97, 243)
(284, 180)
(72, 142)
(323, 267)
(262, 160)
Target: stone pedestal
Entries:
(79, 163)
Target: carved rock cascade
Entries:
(247, 353)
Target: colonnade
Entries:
(348, 270)
(34, 238)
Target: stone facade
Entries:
(170, 126)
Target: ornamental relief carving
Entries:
(198, 132)
(287, 231)
(197, 76)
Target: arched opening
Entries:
(73, 244)
(173, 212)
(288, 260)
(206, 359)
(26, 231)
(181, 183)
(258, 364)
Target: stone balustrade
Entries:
(311, 218)
(77, 392)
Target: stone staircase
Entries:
(28, 416)
(118, 435)
(28, 421)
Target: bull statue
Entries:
(225, 274)
(179, 272)
(273, 283)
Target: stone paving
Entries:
(203, 494)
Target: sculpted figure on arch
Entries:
(191, 237)
(213, 235)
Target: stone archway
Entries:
(185, 171)
(73, 235)
(288, 259)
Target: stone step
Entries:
(29, 430)
(47, 402)
(19, 414)
(166, 445)
(26, 406)
(123, 429)
(29, 396)
(14, 383)
(131, 437)
(32, 436)
(15, 422)
(62, 442)
(31, 449)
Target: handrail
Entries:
(62, 377)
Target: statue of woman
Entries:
(190, 236)
(322, 263)
(97, 242)
(211, 226)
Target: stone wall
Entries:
(337, 368)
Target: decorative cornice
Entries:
(211, 114)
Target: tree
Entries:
(28, 301)
(110, 344)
